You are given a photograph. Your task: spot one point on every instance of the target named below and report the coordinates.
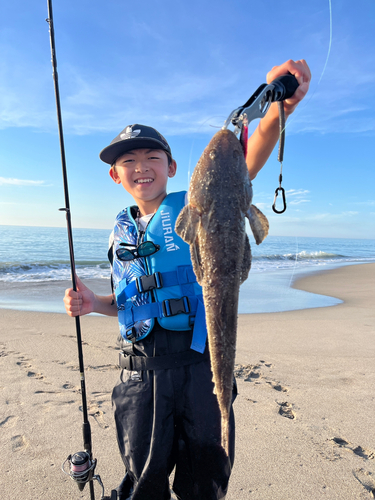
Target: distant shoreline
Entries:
(109, 229)
(47, 297)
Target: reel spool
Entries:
(81, 469)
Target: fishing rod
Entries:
(81, 464)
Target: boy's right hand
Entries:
(80, 302)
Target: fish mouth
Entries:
(146, 180)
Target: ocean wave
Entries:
(59, 270)
(265, 263)
(300, 256)
(52, 271)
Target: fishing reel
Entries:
(81, 469)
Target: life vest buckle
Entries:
(171, 307)
(149, 282)
(131, 334)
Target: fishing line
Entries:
(193, 142)
(300, 109)
(283, 125)
(295, 265)
(295, 114)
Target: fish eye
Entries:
(212, 154)
(236, 154)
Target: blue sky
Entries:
(182, 67)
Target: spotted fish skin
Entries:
(213, 224)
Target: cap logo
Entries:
(130, 133)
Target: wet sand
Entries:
(304, 413)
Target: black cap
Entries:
(133, 137)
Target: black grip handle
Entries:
(284, 87)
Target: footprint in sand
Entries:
(19, 443)
(47, 392)
(74, 388)
(69, 365)
(269, 365)
(286, 410)
(4, 352)
(366, 479)
(38, 376)
(98, 416)
(277, 387)
(247, 372)
(357, 450)
(93, 409)
(24, 363)
(100, 394)
(250, 373)
(9, 421)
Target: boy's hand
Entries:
(80, 302)
(302, 73)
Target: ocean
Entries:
(35, 268)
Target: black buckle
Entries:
(125, 361)
(131, 334)
(171, 307)
(149, 282)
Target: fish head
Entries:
(221, 175)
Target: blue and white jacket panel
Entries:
(125, 231)
(137, 310)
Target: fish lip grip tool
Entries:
(259, 103)
(257, 106)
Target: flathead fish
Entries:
(213, 223)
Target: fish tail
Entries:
(225, 435)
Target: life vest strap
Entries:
(183, 276)
(192, 305)
(170, 361)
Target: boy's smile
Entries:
(144, 174)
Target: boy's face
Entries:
(144, 174)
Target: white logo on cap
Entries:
(130, 133)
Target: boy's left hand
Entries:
(302, 73)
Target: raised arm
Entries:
(84, 301)
(262, 142)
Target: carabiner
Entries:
(274, 201)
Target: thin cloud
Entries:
(179, 95)
(298, 202)
(369, 203)
(4, 181)
(297, 192)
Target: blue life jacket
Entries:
(162, 286)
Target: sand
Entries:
(304, 413)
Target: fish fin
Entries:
(246, 262)
(258, 223)
(187, 223)
(196, 261)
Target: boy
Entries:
(165, 410)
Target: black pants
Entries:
(171, 418)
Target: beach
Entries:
(304, 412)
